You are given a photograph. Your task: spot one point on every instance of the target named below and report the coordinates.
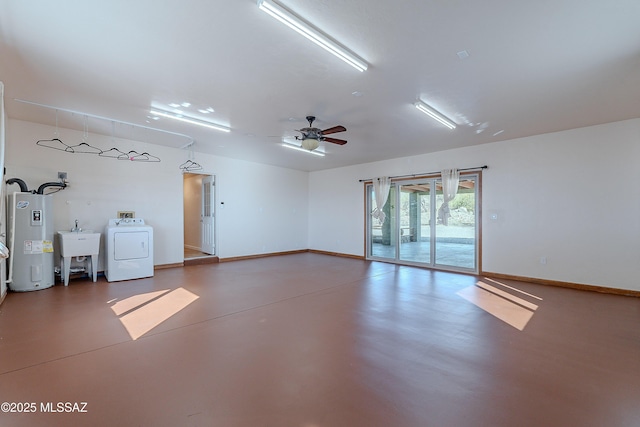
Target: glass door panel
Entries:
(456, 241)
(383, 235)
(415, 224)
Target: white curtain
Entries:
(450, 180)
(381, 188)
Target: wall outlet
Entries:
(543, 260)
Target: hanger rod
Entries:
(93, 116)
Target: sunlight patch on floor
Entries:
(512, 288)
(146, 311)
(502, 304)
(135, 301)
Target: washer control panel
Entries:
(123, 222)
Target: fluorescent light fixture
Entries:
(437, 116)
(298, 24)
(189, 120)
(295, 147)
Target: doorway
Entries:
(415, 231)
(199, 216)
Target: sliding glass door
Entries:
(415, 230)
(382, 235)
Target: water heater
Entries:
(30, 226)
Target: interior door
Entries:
(207, 217)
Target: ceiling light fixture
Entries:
(437, 116)
(190, 120)
(302, 27)
(295, 147)
(310, 144)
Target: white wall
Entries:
(260, 208)
(265, 207)
(568, 196)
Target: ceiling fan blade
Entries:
(334, 130)
(335, 140)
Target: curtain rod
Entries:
(428, 173)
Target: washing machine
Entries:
(128, 249)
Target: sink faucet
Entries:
(76, 228)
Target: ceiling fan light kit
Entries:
(434, 114)
(189, 120)
(310, 144)
(311, 137)
(296, 23)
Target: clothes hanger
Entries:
(144, 157)
(128, 156)
(85, 148)
(134, 156)
(114, 153)
(56, 144)
(190, 166)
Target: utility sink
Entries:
(79, 243)
(83, 243)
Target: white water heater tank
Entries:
(30, 226)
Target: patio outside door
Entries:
(414, 231)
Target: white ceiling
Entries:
(533, 67)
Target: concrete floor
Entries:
(310, 340)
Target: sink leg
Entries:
(94, 267)
(66, 267)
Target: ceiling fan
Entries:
(311, 137)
